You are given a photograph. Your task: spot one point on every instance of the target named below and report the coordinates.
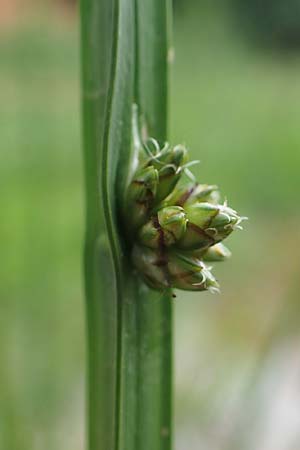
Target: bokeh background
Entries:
(235, 102)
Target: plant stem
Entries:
(146, 315)
(154, 310)
(124, 60)
(100, 283)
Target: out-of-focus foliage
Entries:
(275, 22)
(237, 355)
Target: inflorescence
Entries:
(175, 224)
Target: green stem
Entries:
(154, 369)
(146, 357)
(100, 282)
(155, 309)
(124, 60)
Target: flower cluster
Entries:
(175, 224)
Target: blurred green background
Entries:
(235, 102)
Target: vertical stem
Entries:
(154, 309)
(100, 282)
(146, 379)
(154, 318)
(124, 59)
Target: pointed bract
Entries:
(189, 273)
(140, 196)
(217, 252)
(189, 193)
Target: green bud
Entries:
(178, 156)
(179, 195)
(208, 224)
(226, 221)
(161, 271)
(217, 252)
(143, 185)
(204, 193)
(189, 193)
(191, 274)
(140, 196)
(175, 156)
(164, 229)
(168, 163)
(199, 217)
(173, 220)
(168, 178)
(152, 268)
(201, 214)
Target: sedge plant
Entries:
(150, 226)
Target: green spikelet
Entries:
(164, 229)
(141, 196)
(175, 224)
